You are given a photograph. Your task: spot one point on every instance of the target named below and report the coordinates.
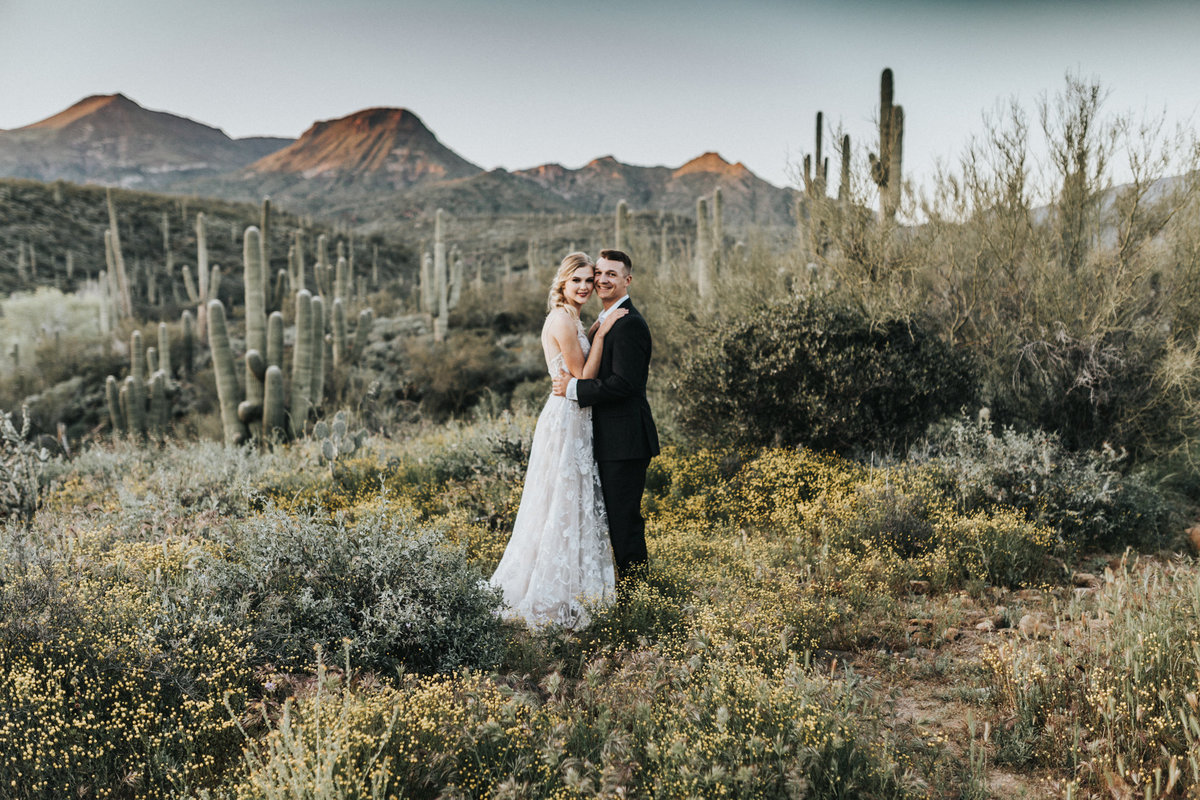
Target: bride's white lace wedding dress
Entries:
(559, 559)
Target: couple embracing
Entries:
(579, 526)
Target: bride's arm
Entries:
(562, 330)
(592, 368)
(561, 327)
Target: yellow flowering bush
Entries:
(635, 725)
(112, 682)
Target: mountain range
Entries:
(372, 164)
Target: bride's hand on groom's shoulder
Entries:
(611, 320)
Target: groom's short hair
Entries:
(618, 255)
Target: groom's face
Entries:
(612, 280)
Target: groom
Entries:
(624, 437)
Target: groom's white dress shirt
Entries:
(572, 392)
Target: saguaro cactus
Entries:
(189, 343)
(264, 228)
(275, 339)
(815, 211)
(366, 318)
(112, 394)
(159, 406)
(302, 358)
(844, 182)
(118, 264)
(137, 390)
(223, 366)
(340, 341)
(718, 227)
(622, 222)
(440, 276)
(255, 279)
(886, 166)
(316, 334)
(704, 277)
(274, 411)
(298, 265)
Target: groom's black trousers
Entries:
(622, 483)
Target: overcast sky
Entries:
(515, 83)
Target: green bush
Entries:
(1001, 549)
(1093, 390)
(1083, 495)
(402, 597)
(812, 373)
(451, 377)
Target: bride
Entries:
(559, 558)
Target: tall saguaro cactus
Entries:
(441, 279)
(226, 373)
(815, 214)
(718, 227)
(255, 279)
(844, 182)
(622, 223)
(302, 358)
(202, 275)
(886, 166)
(118, 264)
(704, 276)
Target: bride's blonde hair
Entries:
(566, 269)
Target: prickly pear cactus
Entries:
(336, 440)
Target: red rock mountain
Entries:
(380, 145)
(110, 139)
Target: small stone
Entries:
(1034, 625)
(1193, 535)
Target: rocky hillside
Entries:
(111, 140)
(598, 186)
(52, 234)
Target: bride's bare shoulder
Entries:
(559, 320)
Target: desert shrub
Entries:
(21, 473)
(476, 469)
(808, 372)
(1094, 390)
(640, 725)
(202, 475)
(904, 517)
(112, 674)
(1002, 548)
(450, 377)
(1081, 494)
(402, 596)
(880, 515)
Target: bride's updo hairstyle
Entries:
(566, 269)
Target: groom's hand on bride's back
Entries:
(560, 384)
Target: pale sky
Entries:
(518, 83)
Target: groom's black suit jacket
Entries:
(622, 426)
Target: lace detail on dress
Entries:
(559, 558)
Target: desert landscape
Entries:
(924, 523)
